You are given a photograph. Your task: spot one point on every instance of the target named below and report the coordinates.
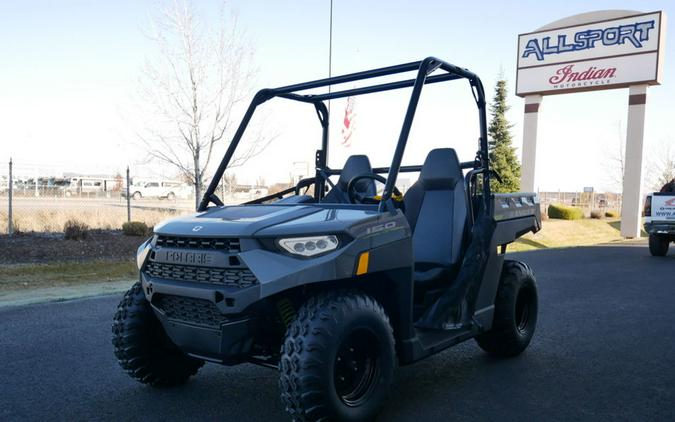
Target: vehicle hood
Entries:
(265, 220)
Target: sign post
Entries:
(530, 121)
(631, 206)
(594, 51)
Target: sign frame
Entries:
(650, 81)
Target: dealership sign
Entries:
(605, 54)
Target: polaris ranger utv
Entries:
(337, 287)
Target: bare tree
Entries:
(229, 182)
(662, 166)
(194, 86)
(659, 163)
(617, 159)
(260, 181)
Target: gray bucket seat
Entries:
(436, 209)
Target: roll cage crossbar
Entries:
(424, 70)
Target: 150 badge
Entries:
(378, 228)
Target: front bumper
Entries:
(660, 227)
(199, 320)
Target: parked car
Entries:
(86, 186)
(156, 189)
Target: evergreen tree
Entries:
(502, 154)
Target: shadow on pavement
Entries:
(604, 348)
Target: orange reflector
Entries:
(362, 268)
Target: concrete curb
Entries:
(56, 294)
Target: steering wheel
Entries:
(362, 199)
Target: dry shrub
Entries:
(597, 214)
(53, 220)
(75, 230)
(135, 228)
(612, 214)
(563, 212)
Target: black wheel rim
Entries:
(357, 367)
(523, 309)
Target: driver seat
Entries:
(355, 165)
(436, 209)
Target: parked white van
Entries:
(160, 189)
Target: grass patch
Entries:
(31, 276)
(566, 233)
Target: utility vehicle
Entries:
(336, 286)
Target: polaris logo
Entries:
(197, 228)
(180, 257)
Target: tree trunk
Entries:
(198, 181)
(198, 194)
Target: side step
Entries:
(433, 341)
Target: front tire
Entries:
(338, 358)
(515, 317)
(136, 196)
(658, 244)
(142, 347)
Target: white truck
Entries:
(156, 189)
(659, 213)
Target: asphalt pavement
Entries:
(604, 350)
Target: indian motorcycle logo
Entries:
(568, 77)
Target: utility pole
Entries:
(128, 198)
(10, 223)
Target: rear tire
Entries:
(337, 360)
(515, 317)
(171, 196)
(658, 244)
(142, 347)
(136, 196)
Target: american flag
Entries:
(348, 123)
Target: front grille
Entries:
(231, 277)
(223, 244)
(191, 310)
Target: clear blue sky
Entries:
(70, 67)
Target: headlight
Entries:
(142, 252)
(309, 246)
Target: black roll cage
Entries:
(424, 68)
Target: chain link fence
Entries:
(587, 201)
(43, 199)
